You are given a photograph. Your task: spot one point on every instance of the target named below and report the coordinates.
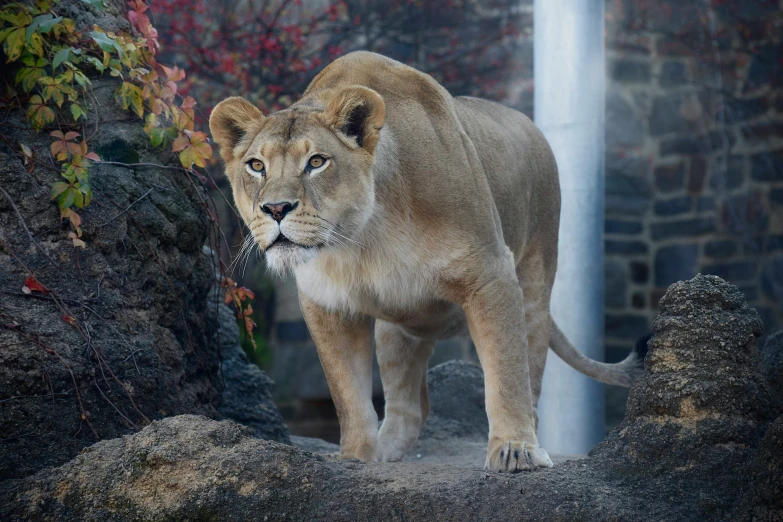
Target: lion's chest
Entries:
(391, 297)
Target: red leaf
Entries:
(33, 286)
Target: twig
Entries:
(44, 297)
(24, 225)
(134, 165)
(51, 350)
(125, 210)
(162, 269)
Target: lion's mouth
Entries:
(284, 242)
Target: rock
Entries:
(772, 364)
(702, 401)
(147, 346)
(144, 343)
(314, 445)
(456, 393)
(623, 126)
(689, 448)
(615, 284)
(193, 468)
(768, 478)
(247, 395)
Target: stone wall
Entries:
(694, 172)
(694, 158)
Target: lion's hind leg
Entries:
(403, 364)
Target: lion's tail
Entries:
(623, 373)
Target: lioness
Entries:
(401, 208)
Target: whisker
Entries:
(346, 238)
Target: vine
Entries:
(52, 64)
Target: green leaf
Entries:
(5, 32)
(38, 113)
(81, 79)
(14, 44)
(36, 45)
(61, 56)
(28, 76)
(46, 25)
(95, 63)
(65, 199)
(78, 198)
(98, 4)
(156, 136)
(129, 96)
(105, 43)
(58, 188)
(43, 24)
(20, 19)
(77, 112)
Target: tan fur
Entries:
(436, 216)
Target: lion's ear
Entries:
(358, 113)
(231, 121)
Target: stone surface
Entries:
(145, 340)
(640, 272)
(672, 74)
(148, 346)
(700, 144)
(630, 71)
(615, 283)
(767, 166)
(673, 206)
(702, 402)
(626, 194)
(772, 365)
(623, 126)
(626, 326)
(675, 263)
(670, 177)
(682, 228)
(768, 477)
(720, 249)
(614, 226)
(247, 392)
(690, 448)
(627, 248)
(733, 272)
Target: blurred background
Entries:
(694, 141)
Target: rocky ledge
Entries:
(700, 442)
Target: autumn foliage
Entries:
(269, 50)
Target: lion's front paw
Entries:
(513, 456)
(366, 451)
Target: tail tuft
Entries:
(641, 346)
(623, 373)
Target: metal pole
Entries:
(569, 110)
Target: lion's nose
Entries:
(279, 210)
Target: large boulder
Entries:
(695, 416)
(126, 333)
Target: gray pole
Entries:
(569, 110)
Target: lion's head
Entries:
(302, 177)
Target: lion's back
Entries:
(430, 125)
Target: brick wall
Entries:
(694, 161)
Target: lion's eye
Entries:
(316, 162)
(256, 166)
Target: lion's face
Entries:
(302, 177)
